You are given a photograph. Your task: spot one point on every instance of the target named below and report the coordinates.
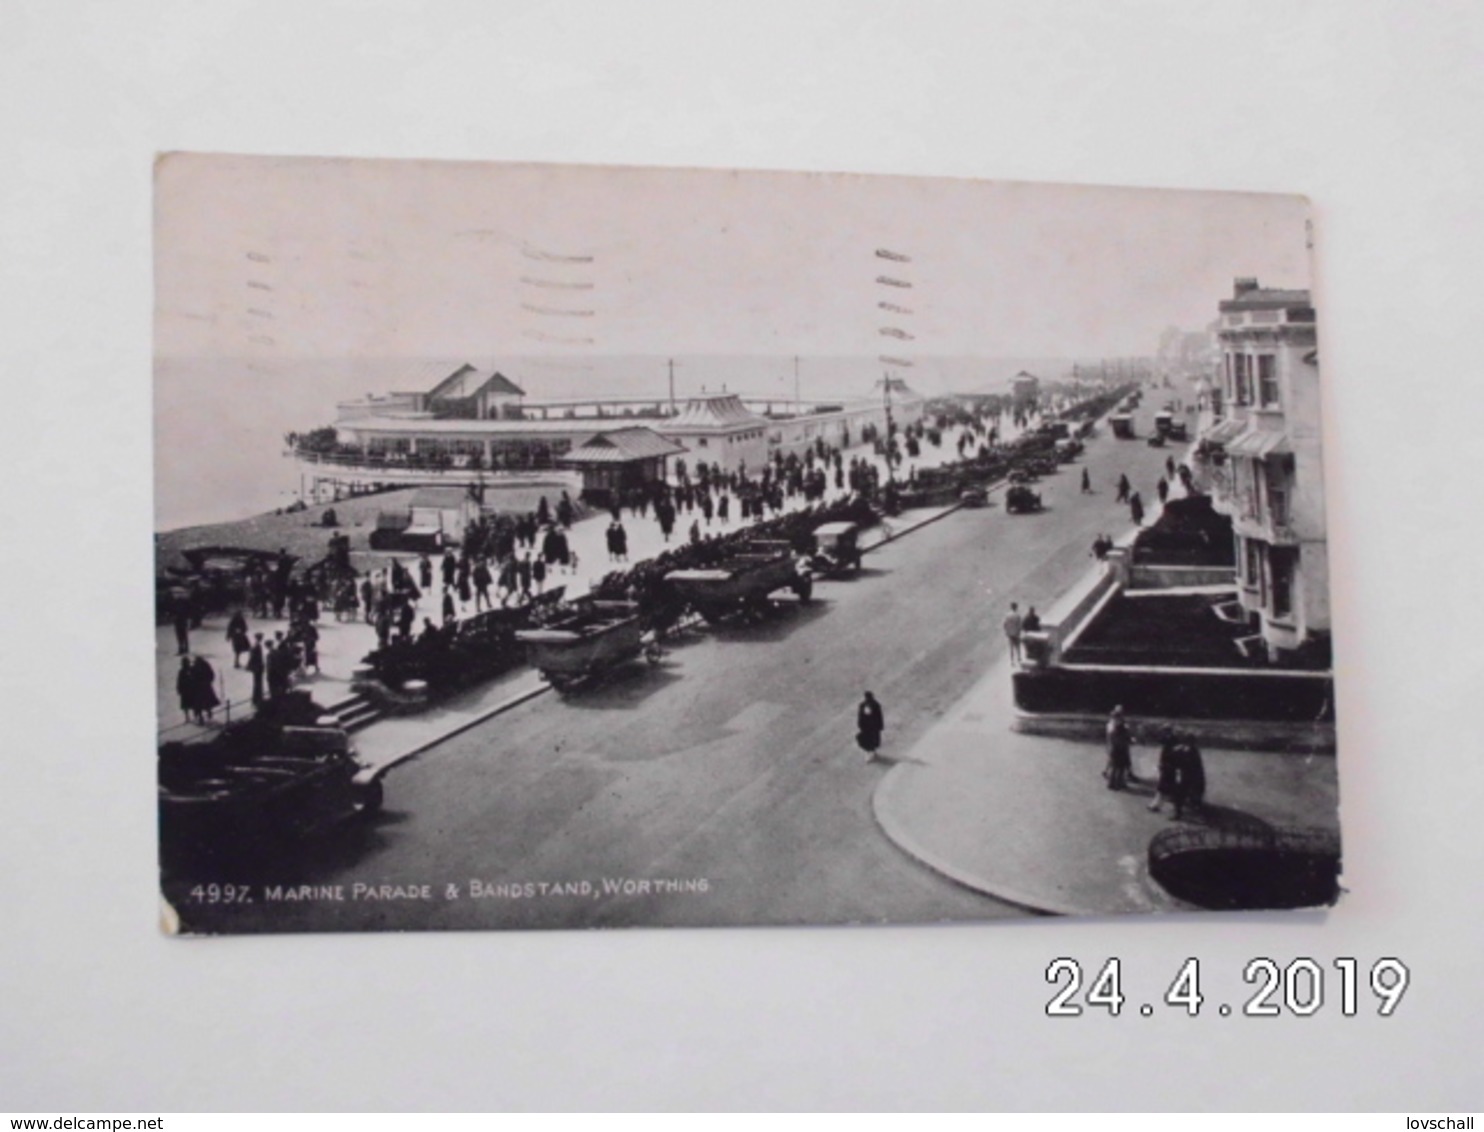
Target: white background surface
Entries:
(1373, 109)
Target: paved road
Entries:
(732, 764)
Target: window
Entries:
(1282, 564)
(1277, 485)
(1267, 381)
(1241, 390)
(700, 442)
(1254, 562)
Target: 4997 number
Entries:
(1297, 987)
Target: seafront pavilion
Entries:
(478, 427)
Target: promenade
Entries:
(343, 645)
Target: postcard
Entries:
(552, 547)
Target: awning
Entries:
(1223, 432)
(1258, 444)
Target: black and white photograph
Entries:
(798, 555)
(545, 546)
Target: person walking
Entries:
(181, 618)
(1167, 784)
(1163, 488)
(870, 722)
(1124, 487)
(203, 676)
(256, 665)
(1120, 751)
(425, 572)
(309, 635)
(1136, 509)
(237, 635)
(1013, 626)
(1086, 483)
(1191, 769)
(185, 688)
(523, 575)
(450, 615)
(482, 580)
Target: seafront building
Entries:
(1258, 454)
(474, 424)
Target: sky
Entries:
(309, 259)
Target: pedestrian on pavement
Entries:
(309, 635)
(1170, 467)
(237, 635)
(523, 575)
(482, 580)
(870, 722)
(256, 665)
(621, 541)
(1167, 785)
(185, 688)
(1124, 487)
(368, 598)
(1120, 751)
(182, 619)
(203, 677)
(425, 572)
(538, 574)
(1086, 483)
(1032, 621)
(1192, 773)
(1163, 487)
(1013, 627)
(1136, 509)
(450, 614)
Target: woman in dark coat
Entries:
(870, 722)
(204, 678)
(1192, 775)
(237, 634)
(1167, 787)
(185, 687)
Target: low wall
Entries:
(1159, 576)
(1178, 693)
(1043, 647)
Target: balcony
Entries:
(1271, 524)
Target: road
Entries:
(729, 774)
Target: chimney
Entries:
(1242, 285)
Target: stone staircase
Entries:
(354, 712)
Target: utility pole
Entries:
(672, 387)
(798, 410)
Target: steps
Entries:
(354, 712)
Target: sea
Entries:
(220, 423)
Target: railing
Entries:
(370, 463)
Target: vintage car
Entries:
(1020, 500)
(593, 637)
(742, 583)
(836, 549)
(1122, 425)
(974, 497)
(256, 788)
